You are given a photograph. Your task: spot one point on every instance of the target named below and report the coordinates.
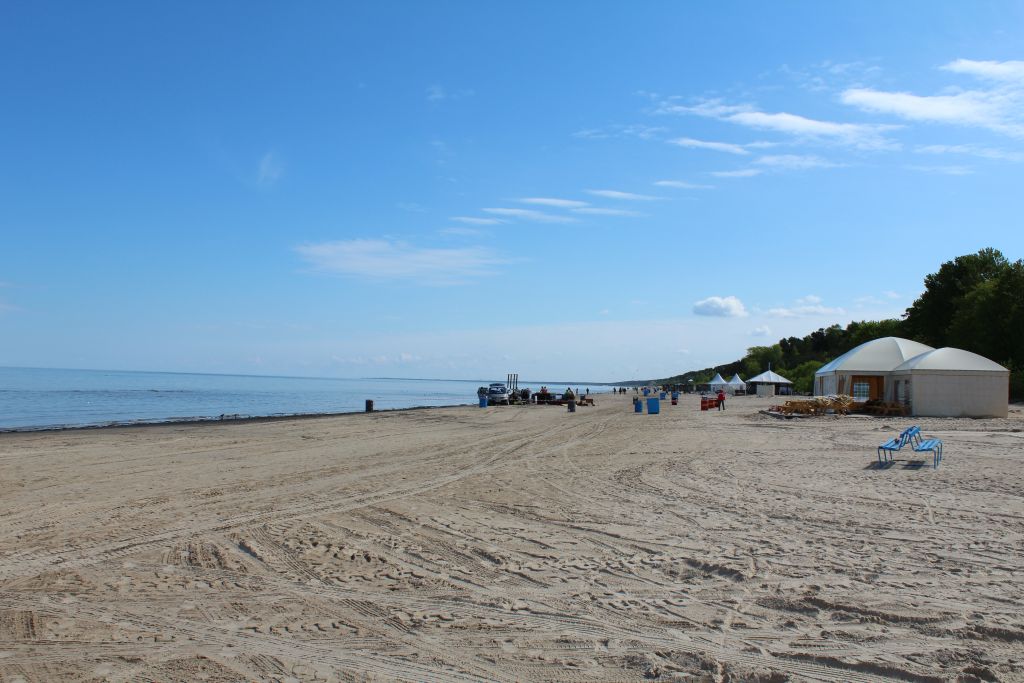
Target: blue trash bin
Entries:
(638, 406)
(647, 392)
(653, 406)
(483, 401)
(662, 396)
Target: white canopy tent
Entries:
(718, 382)
(737, 384)
(952, 382)
(768, 382)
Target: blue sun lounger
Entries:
(909, 436)
(933, 445)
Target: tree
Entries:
(929, 318)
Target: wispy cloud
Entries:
(720, 306)
(389, 260)
(627, 196)
(713, 108)
(760, 331)
(741, 173)
(943, 170)
(618, 131)
(460, 232)
(601, 211)
(809, 305)
(437, 93)
(1012, 71)
(727, 147)
(794, 162)
(474, 220)
(859, 135)
(999, 107)
(554, 201)
(270, 169)
(529, 215)
(683, 185)
(972, 150)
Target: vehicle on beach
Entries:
(498, 394)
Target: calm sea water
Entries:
(32, 398)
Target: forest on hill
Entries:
(974, 302)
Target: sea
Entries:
(37, 398)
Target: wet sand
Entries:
(514, 544)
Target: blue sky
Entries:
(594, 191)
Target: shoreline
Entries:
(211, 420)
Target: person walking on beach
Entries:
(721, 399)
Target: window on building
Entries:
(861, 391)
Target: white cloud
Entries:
(860, 135)
(794, 162)
(806, 306)
(891, 295)
(460, 232)
(943, 170)
(723, 307)
(760, 331)
(742, 173)
(683, 185)
(530, 215)
(863, 136)
(713, 108)
(971, 150)
(999, 107)
(473, 220)
(387, 260)
(270, 170)
(616, 194)
(727, 147)
(965, 108)
(599, 211)
(632, 130)
(995, 71)
(554, 201)
(435, 93)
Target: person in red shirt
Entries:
(721, 399)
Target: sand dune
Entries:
(514, 544)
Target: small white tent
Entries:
(951, 382)
(768, 382)
(717, 382)
(862, 371)
(736, 384)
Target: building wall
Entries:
(959, 395)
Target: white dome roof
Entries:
(950, 359)
(877, 355)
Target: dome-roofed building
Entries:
(862, 371)
(952, 382)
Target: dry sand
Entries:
(514, 544)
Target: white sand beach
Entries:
(514, 544)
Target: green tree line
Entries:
(974, 302)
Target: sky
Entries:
(591, 191)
